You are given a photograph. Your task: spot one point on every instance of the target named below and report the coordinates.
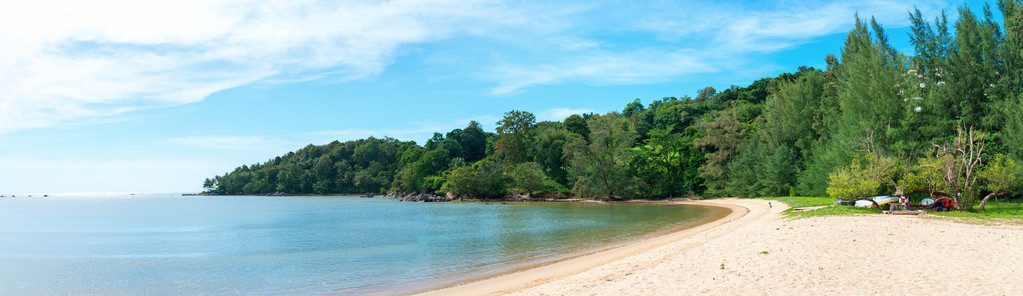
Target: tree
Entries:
(973, 67)
(856, 181)
(434, 142)
(604, 160)
(549, 144)
(1012, 133)
(577, 125)
(852, 182)
(669, 163)
(998, 175)
(473, 142)
(529, 177)
(483, 179)
(931, 45)
(705, 94)
(927, 178)
(958, 162)
(792, 114)
(874, 95)
(724, 134)
(1010, 84)
(746, 170)
(632, 108)
(209, 185)
(760, 170)
(432, 163)
(900, 176)
(779, 172)
(515, 131)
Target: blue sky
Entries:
(155, 96)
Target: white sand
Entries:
(763, 253)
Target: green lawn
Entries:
(812, 201)
(995, 210)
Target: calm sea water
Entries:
(173, 245)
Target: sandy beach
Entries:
(757, 251)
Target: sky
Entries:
(156, 96)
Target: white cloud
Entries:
(695, 37)
(67, 61)
(602, 68)
(63, 61)
(788, 25)
(756, 24)
(559, 114)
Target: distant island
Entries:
(945, 122)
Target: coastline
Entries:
(762, 252)
(519, 279)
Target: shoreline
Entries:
(764, 252)
(425, 285)
(537, 274)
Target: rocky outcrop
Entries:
(418, 196)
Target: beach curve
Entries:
(523, 279)
(762, 252)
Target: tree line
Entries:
(946, 121)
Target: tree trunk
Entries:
(984, 201)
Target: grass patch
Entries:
(995, 211)
(803, 201)
(813, 201)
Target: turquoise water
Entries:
(173, 245)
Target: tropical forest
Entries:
(945, 120)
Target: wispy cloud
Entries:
(768, 25)
(64, 61)
(684, 39)
(787, 25)
(602, 68)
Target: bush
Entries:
(483, 179)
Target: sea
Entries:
(169, 244)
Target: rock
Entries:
(418, 196)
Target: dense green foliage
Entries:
(876, 121)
